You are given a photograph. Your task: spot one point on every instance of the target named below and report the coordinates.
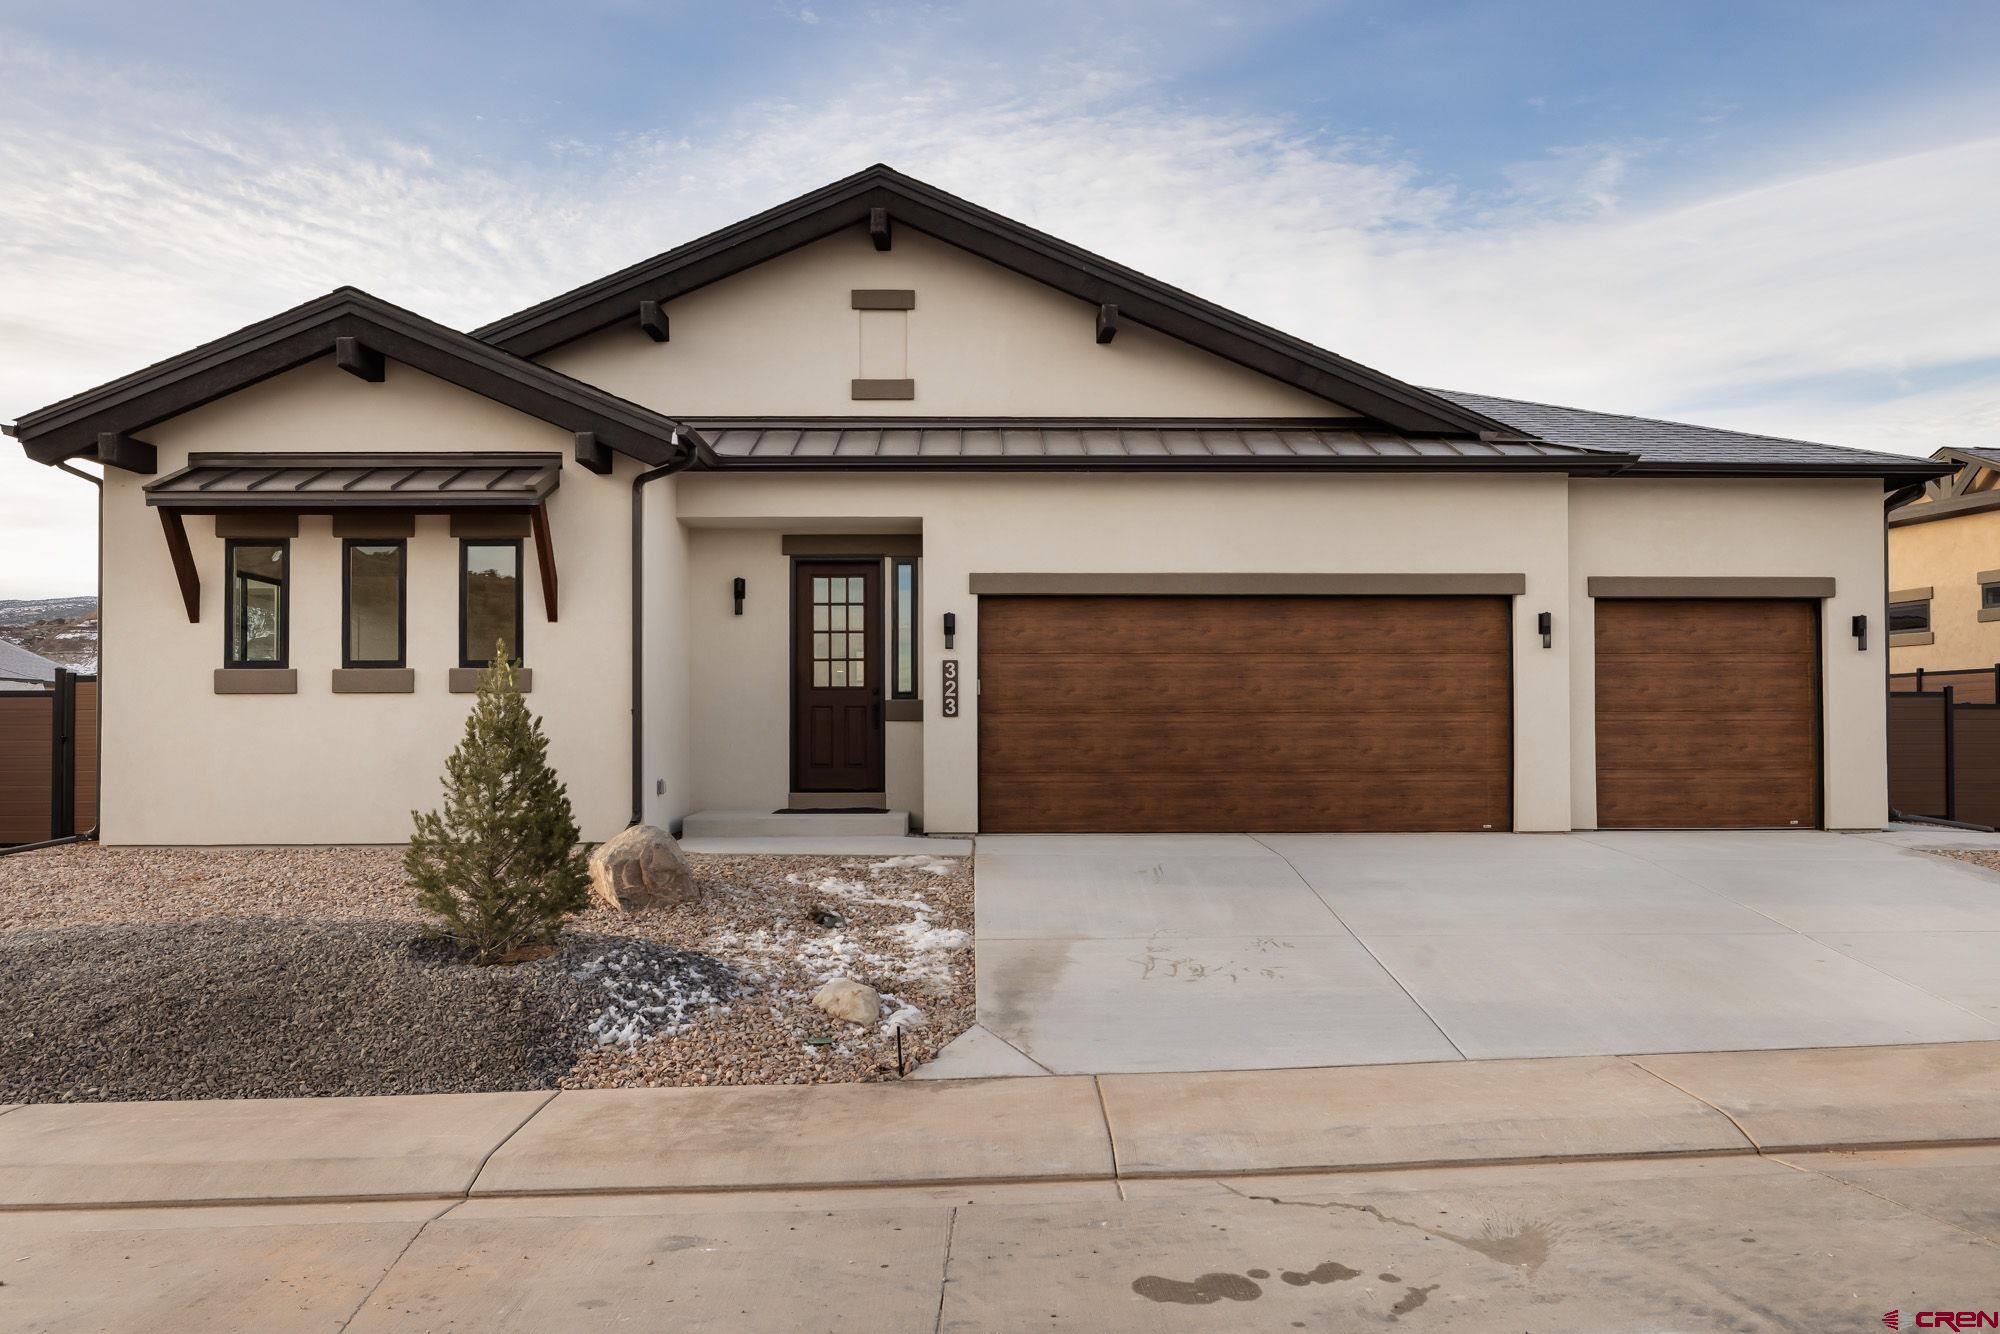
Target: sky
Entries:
(1771, 216)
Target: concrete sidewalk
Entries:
(430, 1151)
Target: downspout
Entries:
(694, 450)
(89, 835)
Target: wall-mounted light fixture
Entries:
(950, 627)
(739, 590)
(1545, 626)
(1861, 633)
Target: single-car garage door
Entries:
(1244, 713)
(1707, 714)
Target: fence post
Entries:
(1950, 758)
(60, 788)
(1920, 680)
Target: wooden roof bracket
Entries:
(183, 560)
(545, 557)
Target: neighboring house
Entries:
(1944, 568)
(22, 670)
(915, 507)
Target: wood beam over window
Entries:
(653, 320)
(545, 557)
(183, 561)
(359, 360)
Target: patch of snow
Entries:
(652, 990)
(914, 862)
(905, 1016)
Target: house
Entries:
(21, 670)
(1944, 603)
(879, 499)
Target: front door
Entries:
(837, 676)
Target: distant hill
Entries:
(62, 630)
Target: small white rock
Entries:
(844, 998)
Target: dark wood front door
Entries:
(1707, 714)
(837, 676)
(1141, 714)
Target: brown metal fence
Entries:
(48, 760)
(1970, 685)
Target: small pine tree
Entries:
(499, 868)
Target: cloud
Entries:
(156, 220)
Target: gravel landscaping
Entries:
(203, 973)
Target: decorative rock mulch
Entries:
(163, 973)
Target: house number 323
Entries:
(950, 698)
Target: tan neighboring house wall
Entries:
(1947, 556)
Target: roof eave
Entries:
(293, 338)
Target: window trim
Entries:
(347, 545)
(465, 545)
(1925, 628)
(895, 655)
(229, 659)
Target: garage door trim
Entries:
(1248, 585)
(1760, 587)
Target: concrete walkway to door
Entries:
(1104, 954)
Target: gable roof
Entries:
(1949, 495)
(1664, 447)
(304, 333)
(1003, 241)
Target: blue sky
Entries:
(1774, 216)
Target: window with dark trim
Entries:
(1989, 596)
(372, 602)
(489, 599)
(257, 612)
(903, 627)
(1909, 617)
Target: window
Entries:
(903, 620)
(840, 631)
(371, 603)
(1989, 595)
(1905, 617)
(257, 611)
(489, 600)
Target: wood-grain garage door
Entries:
(1244, 713)
(1707, 714)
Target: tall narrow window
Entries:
(371, 603)
(489, 600)
(257, 605)
(903, 622)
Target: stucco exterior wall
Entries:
(781, 339)
(1035, 523)
(1758, 527)
(1555, 532)
(185, 765)
(1947, 557)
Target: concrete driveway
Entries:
(1212, 952)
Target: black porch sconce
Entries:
(1545, 626)
(1861, 633)
(739, 588)
(950, 627)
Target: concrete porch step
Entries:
(808, 824)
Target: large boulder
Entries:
(641, 868)
(844, 998)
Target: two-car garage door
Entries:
(1113, 714)
(1187, 713)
